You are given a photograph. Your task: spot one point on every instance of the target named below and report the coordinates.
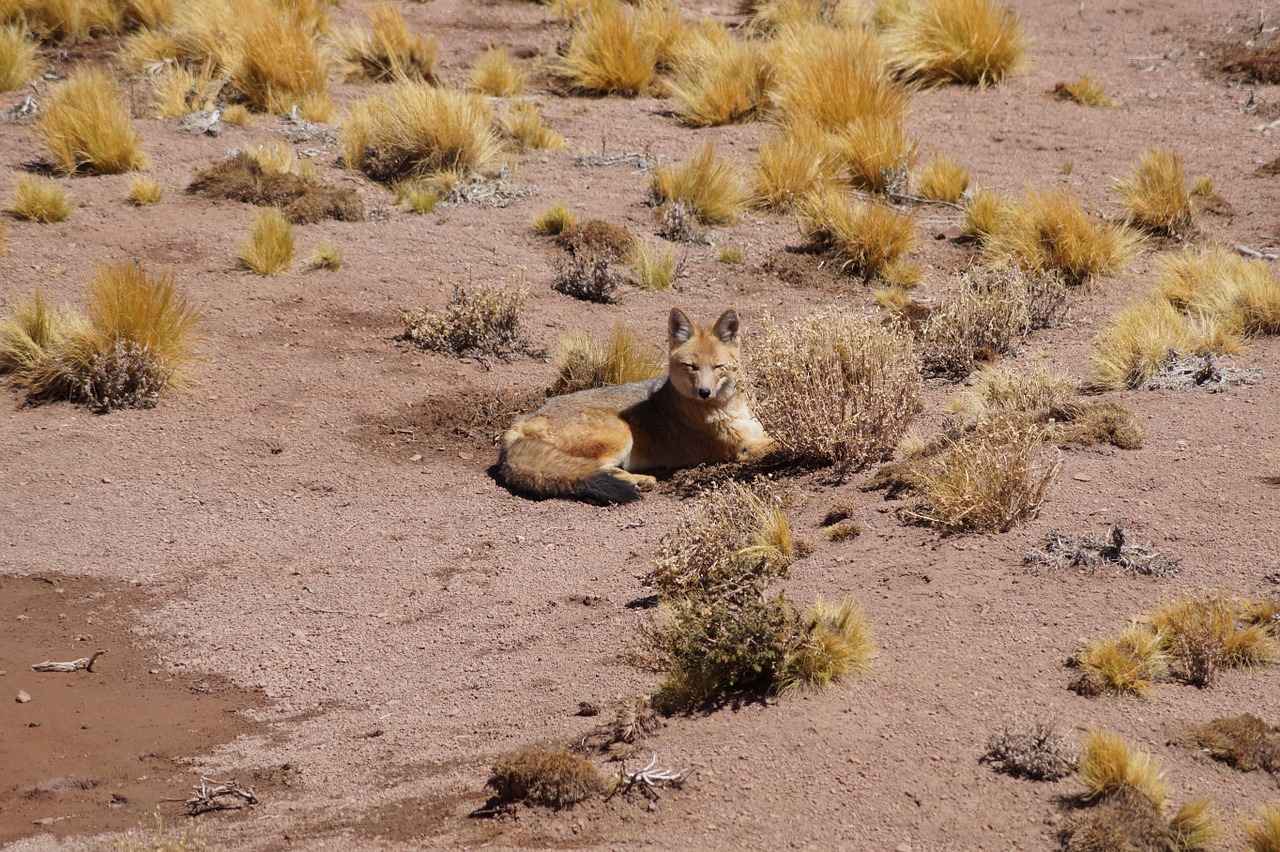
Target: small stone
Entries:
(902, 847)
(416, 457)
(45, 821)
(467, 456)
(106, 480)
(1080, 477)
(22, 698)
(1054, 819)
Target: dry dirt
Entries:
(313, 533)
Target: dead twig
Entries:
(210, 795)
(649, 779)
(1261, 255)
(85, 663)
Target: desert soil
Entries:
(309, 580)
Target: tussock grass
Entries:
(987, 214)
(326, 256)
(834, 642)
(581, 363)
(833, 77)
(268, 250)
(609, 51)
(484, 322)
(1243, 742)
(20, 60)
(864, 236)
(942, 179)
(64, 20)
(177, 90)
(86, 126)
(418, 195)
(236, 115)
(1203, 186)
(902, 273)
(1137, 342)
(497, 74)
(387, 50)
(875, 153)
(1264, 834)
(160, 839)
(1204, 635)
(1108, 763)
(553, 221)
(1195, 825)
(1156, 193)
(1085, 91)
(144, 191)
(732, 255)
(38, 200)
(970, 42)
(1127, 664)
(793, 165)
(524, 123)
(708, 185)
(835, 388)
(656, 269)
(551, 778)
(774, 15)
(1003, 388)
(414, 129)
(278, 63)
(719, 79)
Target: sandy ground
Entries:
(311, 537)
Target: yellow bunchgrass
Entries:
(875, 153)
(269, 247)
(793, 165)
(864, 236)
(582, 363)
(942, 179)
(149, 14)
(902, 273)
(971, 42)
(1137, 341)
(661, 23)
(414, 128)
(178, 89)
(1085, 91)
(236, 115)
(524, 123)
(144, 191)
(1204, 635)
(496, 74)
(553, 221)
(1203, 186)
(1264, 835)
(278, 64)
(718, 79)
(38, 200)
(656, 268)
(1126, 664)
(1002, 388)
(420, 196)
(387, 50)
(1195, 825)
(987, 214)
(1108, 763)
(835, 641)
(608, 52)
(1156, 193)
(326, 256)
(774, 15)
(731, 254)
(64, 20)
(20, 61)
(86, 126)
(710, 186)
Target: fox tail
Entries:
(535, 467)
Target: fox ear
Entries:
(726, 328)
(679, 326)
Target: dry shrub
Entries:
(178, 90)
(987, 214)
(38, 200)
(20, 61)
(1086, 424)
(1050, 231)
(1156, 194)
(1037, 751)
(1004, 388)
(1094, 551)
(971, 42)
(1243, 742)
(864, 237)
(942, 179)
(480, 322)
(875, 153)
(774, 15)
(1127, 664)
(834, 641)
(609, 52)
(278, 63)
(793, 165)
(585, 270)
(552, 778)
(581, 363)
(1202, 636)
(144, 191)
(1264, 835)
(842, 530)
(413, 128)
(656, 271)
(496, 74)
(718, 79)
(835, 388)
(304, 199)
(387, 50)
(86, 126)
(710, 186)
(833, 77)
(268, 249)
(553, 221)
(598, 237)
(1085, 91)
(524, 124)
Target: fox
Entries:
(595, 445)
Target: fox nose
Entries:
(705, 393)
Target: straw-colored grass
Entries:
(970, 42)
(524, 123)
(144, 191)
(709, 185)
(719, 79)
(1156, 193)
(326, 256)
(86, 127)
(875, 153)
(987, 214)
(278, 63)
(268, 250)
(582, 363)
(1264, 834)
(1126, 664)
(832, 77)
(1108, 762)
(835, 641)
(497, 74)
(178, 89)
(387, 50)
(20, 60)
(38, 200)
(553, 221)
(793, 165)
(1086, 91)
(1137, 341)
(609, 52)
(656, 268)
(863, 236)
(942, 179)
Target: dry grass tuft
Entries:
(1243, 742)
(326, 256)
(271, 177)
(38, 200)
(971, 42)
(842, 530)
(161, 839)
(1138, 340)
(708, 185)
(236, 115)
(875, 154)
(1003, 388)
(277, 63)
(20, 60)
(1108, 763)
(497, 74)
(524, 123)
(986, 215)
(414, 129)
(942, 179)
(832, 78)
(1195, 825)
(418, 195)
(793, 165)
(177, 90)
(656, 270)
(834, 642)
(864, 237)
(1037, 751)
(1264, 835)
(834, 387)
(609, 52)
(553, 221)
(1127, 664)
(86, 126)
(1202, 636)
(387, 50)
(269, 247)
(581, 363)
(719, 79)
(1156, 194)
(552, 778)
(481, 322)
(1085, 91)
(144, 191)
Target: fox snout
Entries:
(705, 393)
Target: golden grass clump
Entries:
(161, 839)
(970, 42)
(1085, 91)
(732, 255)
(479, 322)
(793, 165)
(987, 214)
(418, 195)
(413, 128)
(236, 115)
(1204, 635)
(38, 200)
(1129, 663)
(719, 79)
(942, 179)
(834, 642)
(86, 126)
(1051, 231)
(278, 63)
(1003, 388)
(551, 778)
(269, 247)
(496, 74)
(177, 90)
(875, 153)
(1156, 194)
(1264, 835)
(326, 256)
(1108, 762)
(1137, 342)
(144, 191)
(609, 52)
(656, 269)
(833, 77)
(581, 363)
(20, 61)
(774, 15)
(387, 50)
(64, 20)
(835, 388)
(553, 221)
(525, 124)
(864, 236)
(710, 186)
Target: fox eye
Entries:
(691, 366)
(719, 366)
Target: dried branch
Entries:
(85, 663)
(210, 795)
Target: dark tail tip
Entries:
(604, 487)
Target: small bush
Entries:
(833, 642)
(1003, 388)
(942, 179)
(657, 271)
(85, 125)
(1202, 636)
(269, 248)
(1037, 751)
(835, 388)
(1243, 742)
(387, 51)
(272, 178)
(38, 200)
(496, 74)
(793, 166)
(1264, 835)
(732, 255)
(551, 778)
(708, 185)
(1156, 194)
(585, 271)
(553, 221)
(1126, 664)
(144, 191)
(483, 322)
(525, 125)
(609, 53)
(326, 256)
(1094, 551)
(20, 61)
(582, 363)
(864, 237)
(971, 42)
(1085, 91)
(875, 154)
(718, 79)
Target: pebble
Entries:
(902, 847)
(22, 698)
(416, 457)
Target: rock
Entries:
(902, 847)
(22, 698)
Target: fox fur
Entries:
(592, 445)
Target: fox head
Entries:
(704, 361)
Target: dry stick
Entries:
(1248, 252)
(85, 663)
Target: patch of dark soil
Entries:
(467, 423)
(97, 751)
(305, 201)
(693, 481)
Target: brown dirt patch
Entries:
(241, 178)
(467, 424)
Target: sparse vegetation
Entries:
(657, 269)
(268, 250)
(1037, 751)
(875, 154)
(1127, 664)
(1156, 193)
(553, 221)
(731, 254)
(551, 778)
(524, 124)
(387, 50)
(942, 179)
(1264, 835)
(326, 256)
(1096, 551)
(986, 215)
(1243, 742)
(20, 61)
(496, 74)
(710, 186)
(38, 200)
(86, 127)
(864, 237)
(271, 177)
(718, 79)
(585, 270)
(609, 52)
(793, 165)
(1108, 763)
(1085, 91)
(178, 90)
(479, 322)
(834, 641)
(971, 42)
(161, 839)
(582, 363)
(144, 191)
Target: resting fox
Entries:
(587, 444)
